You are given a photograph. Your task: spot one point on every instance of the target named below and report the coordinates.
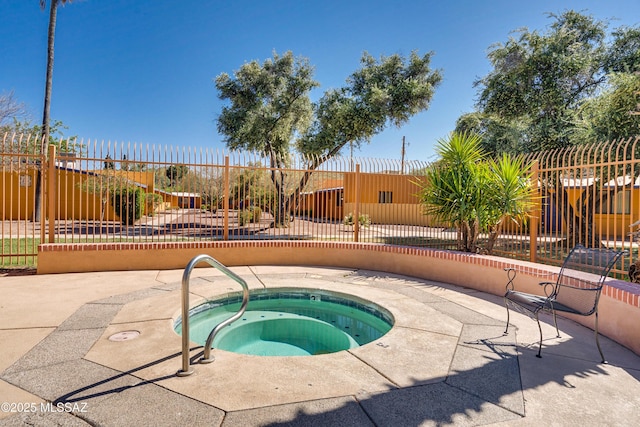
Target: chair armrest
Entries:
(550, 288)
(511, 274)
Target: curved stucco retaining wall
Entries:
(619, 304)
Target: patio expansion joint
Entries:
(376, 370)
(142, 321)
(127, 382)
(27, 328)
(421, 329)
(471, 380)
(257, 277)
(63, 351)
(496, 358)
(411, 406)
(468, 374)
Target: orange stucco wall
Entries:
(404, 208)
(403, 187)
(393, 213)
(72, 200)
(18, 188)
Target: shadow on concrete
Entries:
(17, 271)
(69, 397)
(476, 396)
(491, 391)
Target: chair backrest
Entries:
(580, 293)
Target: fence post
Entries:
(356, 209)
(225, 200)
(534, 219)
(51, 193)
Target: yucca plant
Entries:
(473, 193)
(512, 196)
(453, 188)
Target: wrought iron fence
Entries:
(20, 166)
(589, 194)
(101, 191)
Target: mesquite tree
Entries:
(270, 111)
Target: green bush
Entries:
(153, 202)
(210, 202)
(256, 214)
(250, 215)
(244, 217)
(363, 219)
(128, 202)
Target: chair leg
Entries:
(539, 329)
(555, 322)
(598, 340)
(506, 329)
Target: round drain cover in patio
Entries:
(124, 336)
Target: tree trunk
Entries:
(494, 233)
(580, 228)
(282, 201)
(281, 214)
(469, 236)
(472, 244)
(53, 10)
(590, 202)
(463, 231)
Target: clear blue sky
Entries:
(142, 70)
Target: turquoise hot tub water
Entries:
(290, 322)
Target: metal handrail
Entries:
(207, 358)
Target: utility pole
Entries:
(402, 153)
(351, 156)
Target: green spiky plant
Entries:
(474, 193)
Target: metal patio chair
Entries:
(573, 292)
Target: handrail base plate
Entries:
(182, 373)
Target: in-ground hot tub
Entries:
(290, 322)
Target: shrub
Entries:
(475, 193)
(210, 201)
(153, 202)
(249, 215)
(363, 219)
(244, 217)
(256, 214)
(128, 202)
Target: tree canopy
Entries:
(175, 173)
(32, 144)
(534, 97)
(269, 104)
(381, 93)
(10, 110)
(608, 116)
(271, 111)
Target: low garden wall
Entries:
(619, 304)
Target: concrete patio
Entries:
(445, 362)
